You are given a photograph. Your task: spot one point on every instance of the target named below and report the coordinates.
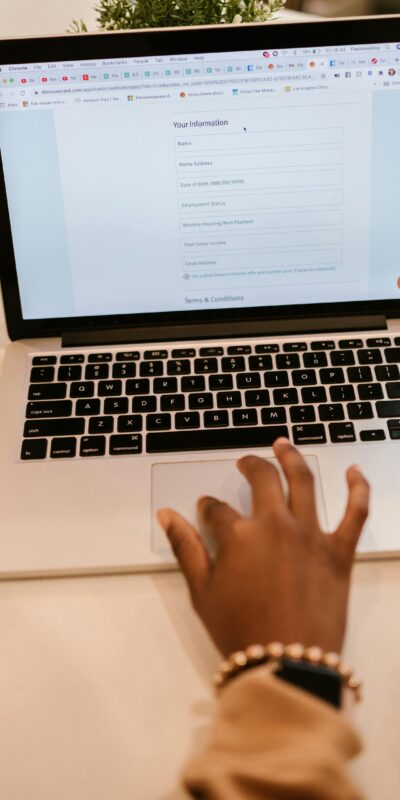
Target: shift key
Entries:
(54, 427)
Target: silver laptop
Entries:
(200, 240)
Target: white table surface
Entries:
(105, 681)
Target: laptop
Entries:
(199, 253)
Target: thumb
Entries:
(187, 547)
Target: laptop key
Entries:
(152, 355)
(302, 413)
(239, 350)
(246, 380)
(330, 411)
(388, 408)
(179, 367)
(260, 362)
(215, 438)
(387, 373)
(201, 400)
(289, 361)
(196, 383)
(42, 374)
(370, 391)
(186, 352)
(125, 445)
(316, 394)
(245, 416)
(352, 344)
(392, 355)
(158, 422)
(47, 391)
(280, 378)
(342, 358)
(304, 377)
(233, 364)
(96, 371)
(375, 435)
(92, 446)
(164, 385)
(254, 398)
(285, 396)
(325, 344)
(381, 341)
(124, 370)
(141, 386)
(291, 347)
(372, 356)
(115, 405)
(359, 374)
(144, 403)
(50, 408)
(342, 432)
(172, 402)
(33, 448)
(274, 415)
(108, 388)
(393, 389)
(267, 348)
(72, 358)
(211, 351)
(228, 399)
(315, 359)
(190, 419)
(128, 355)
(101, 425)
(222, 381)
(216, 419)
(54, 427)
(342, 393)
(70, 373)
(63, 447)
(309, 434)
(96, 357)
(88, 407)
(394, 428)
(205, 365)
(84, 389)
(333, 375)
(42, 360)
(151, 368)
(130, 422)
(360, 411)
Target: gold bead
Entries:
(313, 654)
(226, 668)
(256, 652)
(275, 650)
(354, 683)
(218, 680)
(238, 659)
(331, 660)
(344, 671)
(295, 651)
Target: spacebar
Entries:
(172, 441)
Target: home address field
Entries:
(261, 198)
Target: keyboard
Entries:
(114, 403)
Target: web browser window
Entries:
(215, 180)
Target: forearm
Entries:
(272, 741)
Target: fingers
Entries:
(218, 518)
(301, 496)
(348, 532)
(188, 548)
(265, 483)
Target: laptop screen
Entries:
(203, 181)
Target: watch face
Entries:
(323, 683)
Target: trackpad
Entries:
(178, 485)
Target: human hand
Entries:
(276, 575)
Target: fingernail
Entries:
(282, 441)
(163, 517)
(356, 468)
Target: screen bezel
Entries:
(170, 42)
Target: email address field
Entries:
(261, 241)
(293, 159)
(257, 139)
(231, 271)
(263, 180)
(255, 202)
(241, 223)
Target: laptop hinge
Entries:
(221, 330)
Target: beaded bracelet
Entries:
(273, 653)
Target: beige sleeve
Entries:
(272, 741)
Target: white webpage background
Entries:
(124, 225)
